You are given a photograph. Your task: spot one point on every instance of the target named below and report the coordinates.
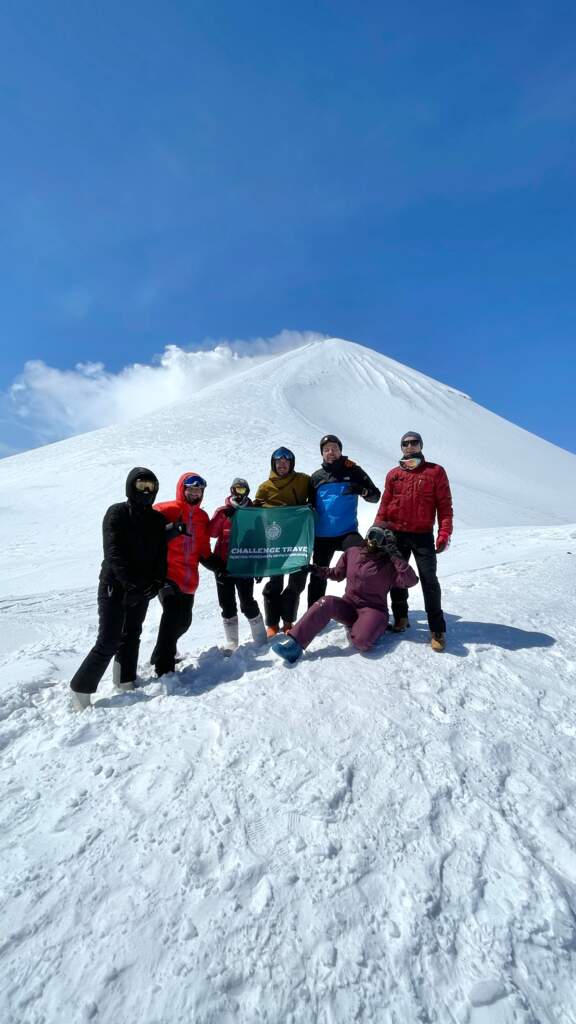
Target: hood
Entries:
(146, 474)
(180, 496)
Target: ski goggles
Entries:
(377, 537)
(194, 481)
(240, 490)
(283, 453)
(145, 485)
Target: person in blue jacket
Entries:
(334, 492)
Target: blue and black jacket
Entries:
(337, 511)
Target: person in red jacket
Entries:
(415, 494)
(188, 535)
(370, 571)
(228, 586)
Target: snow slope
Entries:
(383, 838)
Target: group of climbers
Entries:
(154, 550)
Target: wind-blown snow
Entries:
(383, 838)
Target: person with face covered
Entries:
(334, 492)
(133, 570)
(370, 571)
(416, 494)
(229, 587)
(283, 487)
(188, 534)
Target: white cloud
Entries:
(52, 404)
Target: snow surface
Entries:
(384, 838)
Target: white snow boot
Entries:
(116, 676)
(258, 628)
(231, 633)
(80, 701)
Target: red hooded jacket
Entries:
(412, 499)
(221, 527)
(185, 550)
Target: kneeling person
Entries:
(370, 572)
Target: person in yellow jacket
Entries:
(283, 487)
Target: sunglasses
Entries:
(145, 485)
(411, 442)
(194, 481)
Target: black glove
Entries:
(390, 545)
(258, 579)
(222, 574)
(215, 564)
(174, 530)
(229, 512)
(133, 596)
(168, 589)
(353, 489)
(151, 590)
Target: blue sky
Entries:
(398, 175)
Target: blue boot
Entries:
(288, 648)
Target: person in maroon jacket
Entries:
(370, 571)
(228, 586)
(415, 494)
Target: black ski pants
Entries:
(421, 545)
(227, 589)
(324, 548)
(119, 630)
(281, 602)
(176, 620)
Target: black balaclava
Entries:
(141, 499)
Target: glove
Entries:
(174, 530)
(215, 565)
(353, 489)
(134, 596)
(168, 589)
(229, 512)
(258, 579)
(221, 574)
(390, 545)
(151, 590)
(442, 543)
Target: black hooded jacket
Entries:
(134, 537)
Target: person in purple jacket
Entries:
(370, 572)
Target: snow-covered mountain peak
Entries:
(501, 475)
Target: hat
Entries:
(330, 437)
(412, 433)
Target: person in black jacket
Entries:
(334, 492)
(133, 570)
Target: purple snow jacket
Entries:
(369, 579)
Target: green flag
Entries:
(270, 541)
